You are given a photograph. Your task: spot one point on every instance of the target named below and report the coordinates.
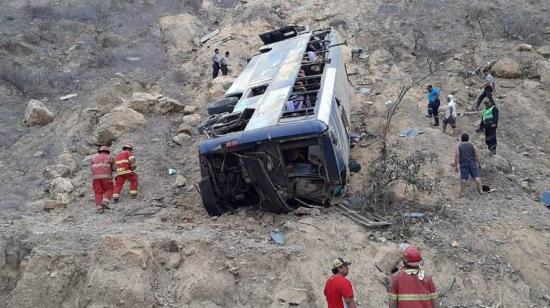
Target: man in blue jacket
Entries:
(433, 103)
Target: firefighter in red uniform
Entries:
(102, 169)
(411, 287)
(125, 170)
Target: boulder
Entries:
(180, 139)
(525, 47)
(56, 171)
(118, 121)
(142, 102)
(507, 68)
(544, 51)
(174, 261)
(186, 129)
(167, 105)
(544, 72)
(180, 181)
(59, 186)
(192, 120)
(189, 109)
(37, 114)
(387, 258)
(153, 103)
(68, 160)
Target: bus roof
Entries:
(278, 67)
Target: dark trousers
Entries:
(433, 110)
(487, 92)
(491, 139)
(224, 69)
(215, 69)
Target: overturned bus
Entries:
(280, 136)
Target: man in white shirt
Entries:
(224, 63)
(450, 114)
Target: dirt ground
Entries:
(163, 250)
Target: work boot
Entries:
(99, 210)
(105, 205)
(115, 200)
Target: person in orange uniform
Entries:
(102, 174)
(338, 289)
(125, 170)
(411, 287)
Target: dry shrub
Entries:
(29, 80)
(390, 169)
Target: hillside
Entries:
(141, 75)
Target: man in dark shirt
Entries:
(488, 87)
(216, 58)
(468, 157)
(489, 123)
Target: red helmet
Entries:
(127, 146)
(104, 148)
(412, 256)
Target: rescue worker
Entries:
(433, 103)
(125, 170)
(102, 178)
(489, 123)
(488, 87)
(411, 287)
(338, 289)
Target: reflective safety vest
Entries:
(487, 114)
(102, 166)
(410, 288)
(125, 162)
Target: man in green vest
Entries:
(489, 123)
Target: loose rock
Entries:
(117, 122)
(60, 186)
(507, 68)
(37, 114)
(174, 261)
(192, 119)
(55, 171)
(180, 139)
(153, 103)
(180, 181)
(544, 51)
(189, 109)
(186, 129)
(525, 47)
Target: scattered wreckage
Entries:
(280, 136)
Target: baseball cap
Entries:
(339, 262)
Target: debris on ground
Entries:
(545, 199)
(277, 236)
(410, 132)
(66, 97)
(209, 35)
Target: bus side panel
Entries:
(330, 160)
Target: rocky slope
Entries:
(140, 75)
